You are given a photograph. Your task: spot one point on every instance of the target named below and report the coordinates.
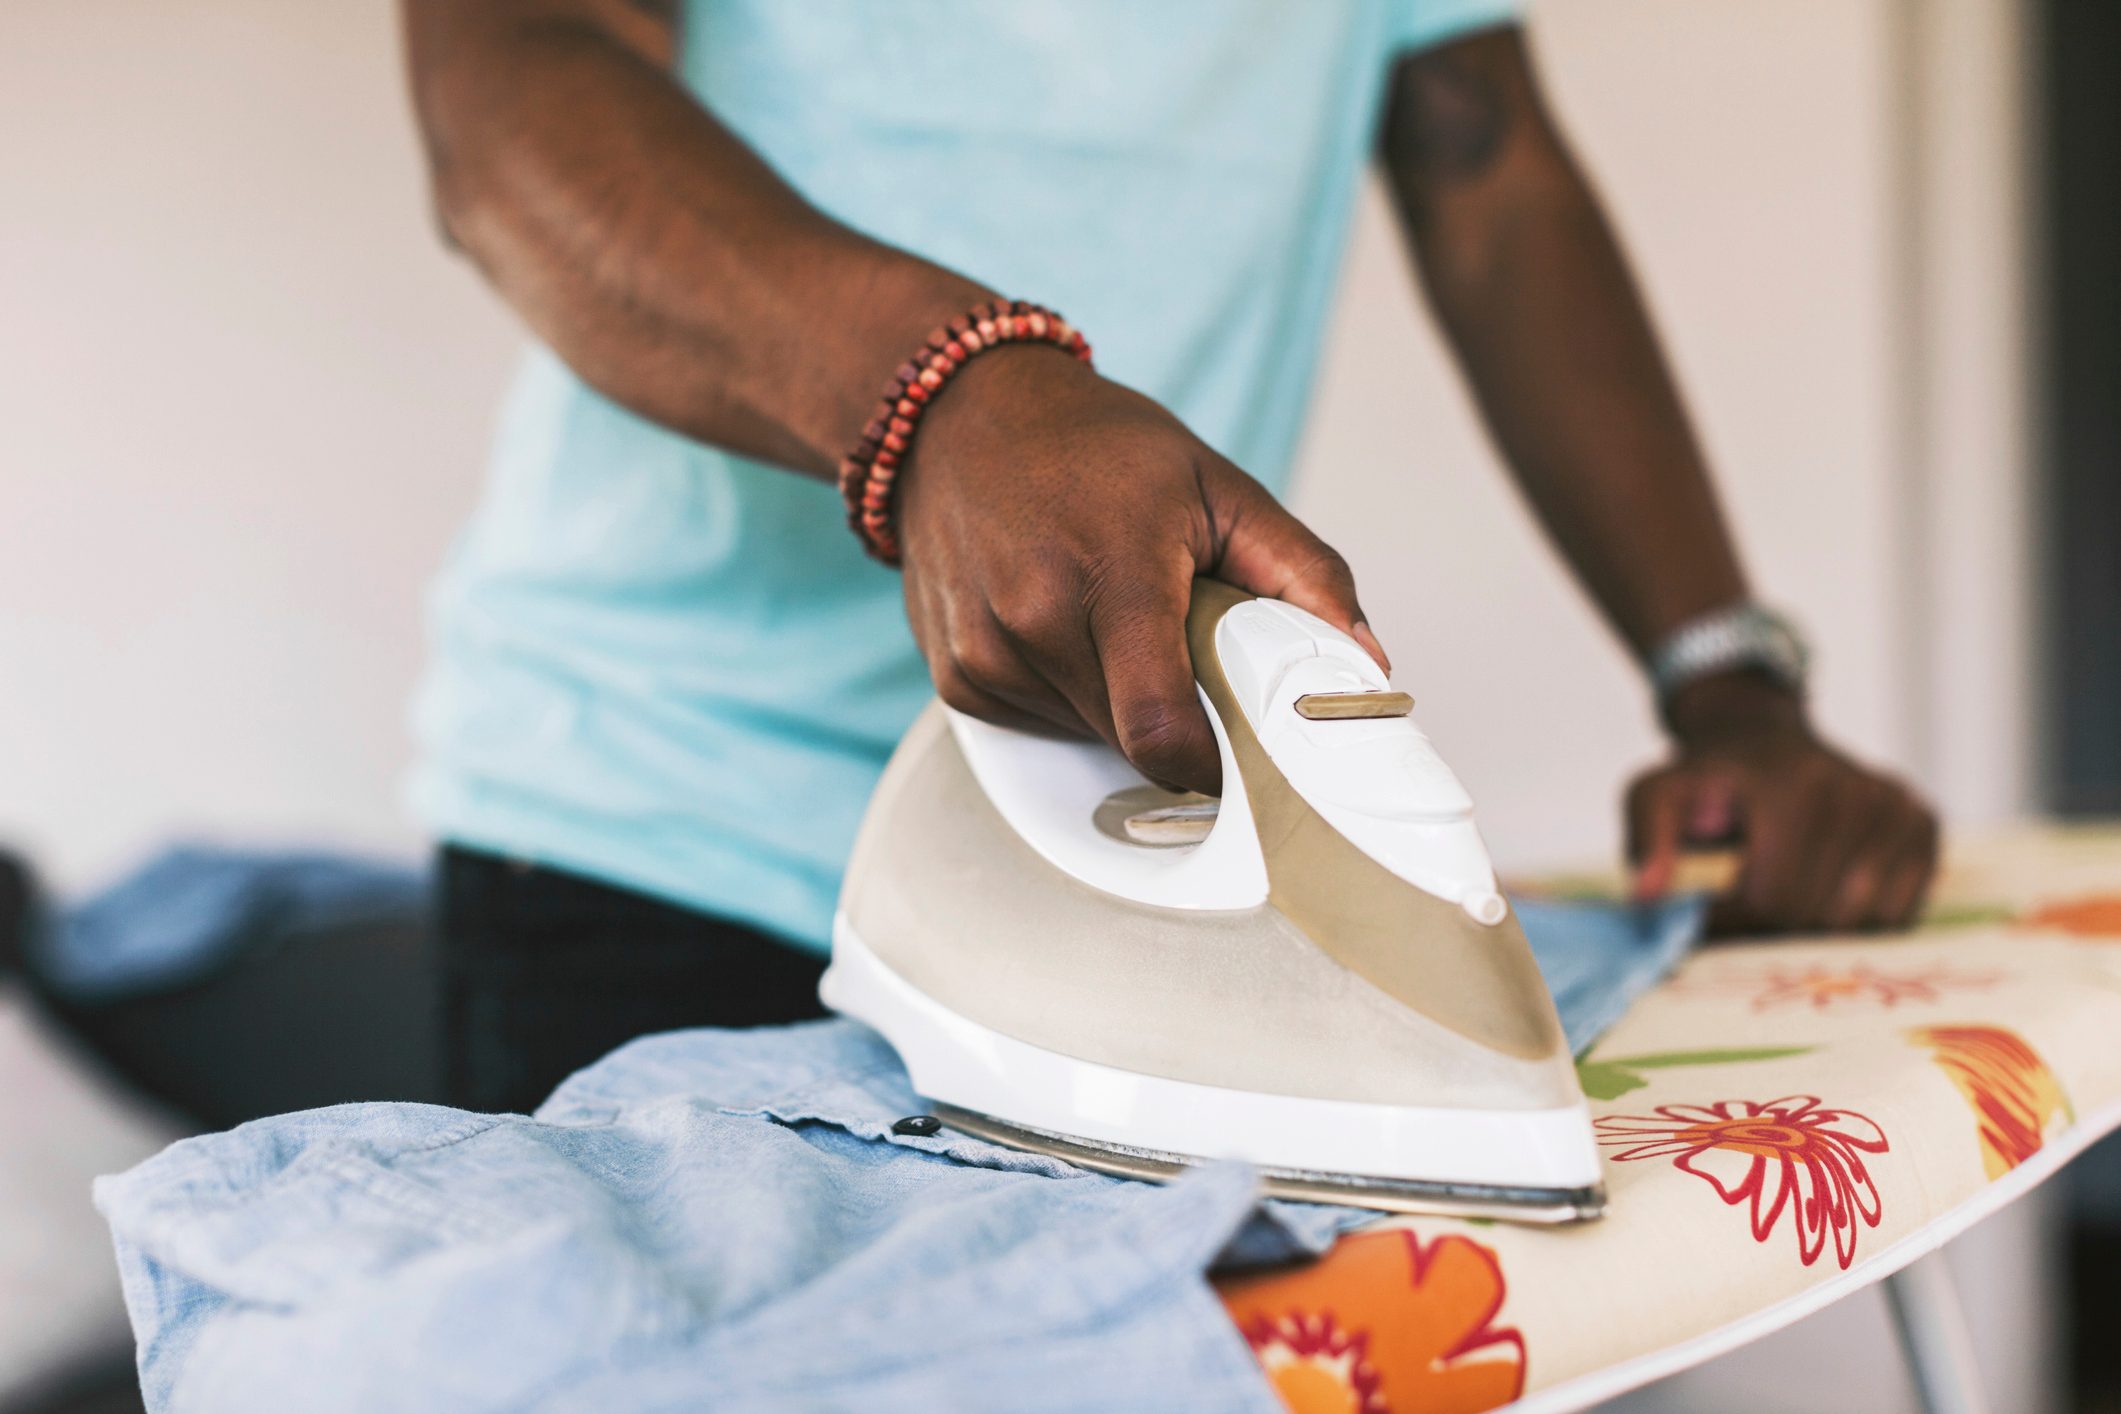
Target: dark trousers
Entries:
(543, 972)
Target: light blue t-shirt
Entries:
(672, 668)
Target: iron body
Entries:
(1316, 975)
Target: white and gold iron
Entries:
(1318, 975)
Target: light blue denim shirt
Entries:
(704, 1220)
(671, 668)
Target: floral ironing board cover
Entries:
(1783, 1123)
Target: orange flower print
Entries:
(2089, 916)
(1827, 986)
(2017, 1101)
(1384, 1322)
(1316, 1366)
(1791, 1156)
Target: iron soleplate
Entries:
(1386, 1195)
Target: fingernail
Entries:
(1370, 644)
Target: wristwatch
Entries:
(1746, 635)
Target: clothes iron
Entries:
(1316, 975)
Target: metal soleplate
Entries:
(1385, 1195)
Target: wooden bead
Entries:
(868, 474)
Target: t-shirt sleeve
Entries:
(1423, 24)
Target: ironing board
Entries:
(1784, 1123)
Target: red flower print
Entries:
(2016, 1099)
(1790, 1156)
(1829, 985)
(1382, 1323)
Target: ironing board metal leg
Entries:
(1940, 1354)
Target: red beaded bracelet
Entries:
(868, 472)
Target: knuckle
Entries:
(1052, 635)
(1114, 585)
(1134, 625)
(1327, 570)
(1037, 608)
(984, 663)
(959, 694)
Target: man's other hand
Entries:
(1829, 845)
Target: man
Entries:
(666, 675)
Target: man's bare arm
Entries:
(654, 252)
(1523, 270)
(1524, 273)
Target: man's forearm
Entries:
(660, 257)
(1525, 275)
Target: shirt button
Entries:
(919, 1126)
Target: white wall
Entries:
(243, 397)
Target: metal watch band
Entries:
(1744, 635)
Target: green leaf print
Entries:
(1610, 1079)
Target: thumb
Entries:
(1263, 549)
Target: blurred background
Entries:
(245, 395)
